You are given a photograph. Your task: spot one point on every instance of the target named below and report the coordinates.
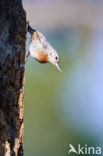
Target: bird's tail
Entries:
(30, 29)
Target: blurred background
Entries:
(65, 108)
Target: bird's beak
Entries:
(58, 66)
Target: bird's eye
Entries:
(56, 57)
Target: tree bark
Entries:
(12, 66)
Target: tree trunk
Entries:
(12, 65)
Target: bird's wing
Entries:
(30, 29)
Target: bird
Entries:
(41, 50)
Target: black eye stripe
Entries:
(56, 57)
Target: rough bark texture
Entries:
(12, 65)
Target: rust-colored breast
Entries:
(42, 57)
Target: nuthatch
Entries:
(41, 50)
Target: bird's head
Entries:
(54, 58)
